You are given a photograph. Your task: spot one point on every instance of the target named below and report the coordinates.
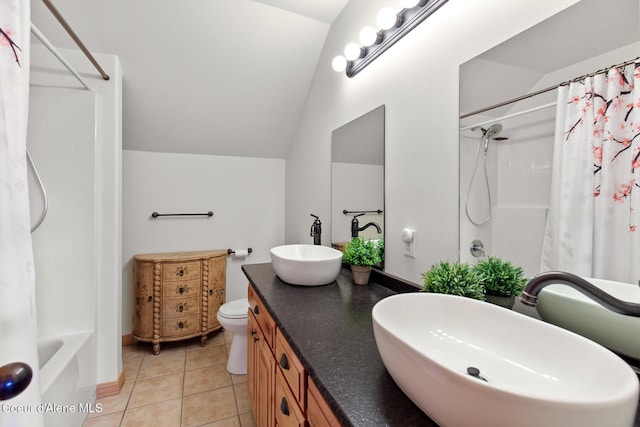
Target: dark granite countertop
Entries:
(330, 329)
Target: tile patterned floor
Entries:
(184, 386)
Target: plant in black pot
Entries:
(502, 280)
(454, 278)
(361, 256)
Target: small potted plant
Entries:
(502, 280)
(361, 256)
(454, 278)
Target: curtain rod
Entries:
(75, 38)
(547, 89)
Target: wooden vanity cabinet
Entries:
(177, 295)
(280, 391)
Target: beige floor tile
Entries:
(108, 420)
(214, 339)
(242, 398)
(207, 407)
(156, 389)
(162, 364)
(227, 422)
(133, 352)
(131, 369)
(114, 404)
(238, 379)
(205, 379)
(163, 414)
(246, 420)
(206, 356)
(167, 348)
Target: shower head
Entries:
(493, 131)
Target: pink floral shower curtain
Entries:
(593, 227)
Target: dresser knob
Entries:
(284, 362)
(150, 298)
(181, 290)
(181, 272)
(210, 291)
(181, 308)
(284, 407)
(181, 325)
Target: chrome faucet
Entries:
(538, 282)
(355, 226)
(316, 230)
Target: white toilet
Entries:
(233, 317)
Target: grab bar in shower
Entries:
(44, 193)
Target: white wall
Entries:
(417, 80)
(46, 70)
(245, 194)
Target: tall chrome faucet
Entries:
(355, 226)
(537, 283)
(316, 230)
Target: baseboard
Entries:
(110, 389)
(128, 340)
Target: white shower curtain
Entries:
(593, 227)
(17, 280)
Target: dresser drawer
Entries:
(180, 307)
(287, 410)
(264, 319)
(183, 289)
(179, 326)
(172, 271)
(291, 368)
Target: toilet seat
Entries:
(236, 309)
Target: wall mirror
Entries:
(357, 177)
(505, 193)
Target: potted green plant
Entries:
(453, 278)
(361, 256)
(502, 280)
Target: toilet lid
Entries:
(236, 309)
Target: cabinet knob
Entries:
(181, 325)
(181, 290)
(284, 407)
(284, 362)
(181, 308)
(253, 333)
(181, 272)
(210, 291)
(150, 298)
(256, 339)
(256, 310)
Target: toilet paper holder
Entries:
(232, 251)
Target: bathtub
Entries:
(565, 307)
(67, 378)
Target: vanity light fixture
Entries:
(392, 27)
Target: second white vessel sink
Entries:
(469, 363)
(306, 265)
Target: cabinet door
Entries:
(216, 283)
(265, 385)
(253, 337)
(143, 314)
(287, 411)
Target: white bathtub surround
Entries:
(77, 145)
(68, 377)
(593, 228)
(17, 280)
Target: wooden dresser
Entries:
(177, 295)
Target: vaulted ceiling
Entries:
(222, 77)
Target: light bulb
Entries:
(387, 18)
(368, 36)
(339, 63)
(408, 4)
(352, 51)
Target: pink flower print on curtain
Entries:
(594, 215)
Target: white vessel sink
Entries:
(566, 307)
(307, 265)
(536, 374)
